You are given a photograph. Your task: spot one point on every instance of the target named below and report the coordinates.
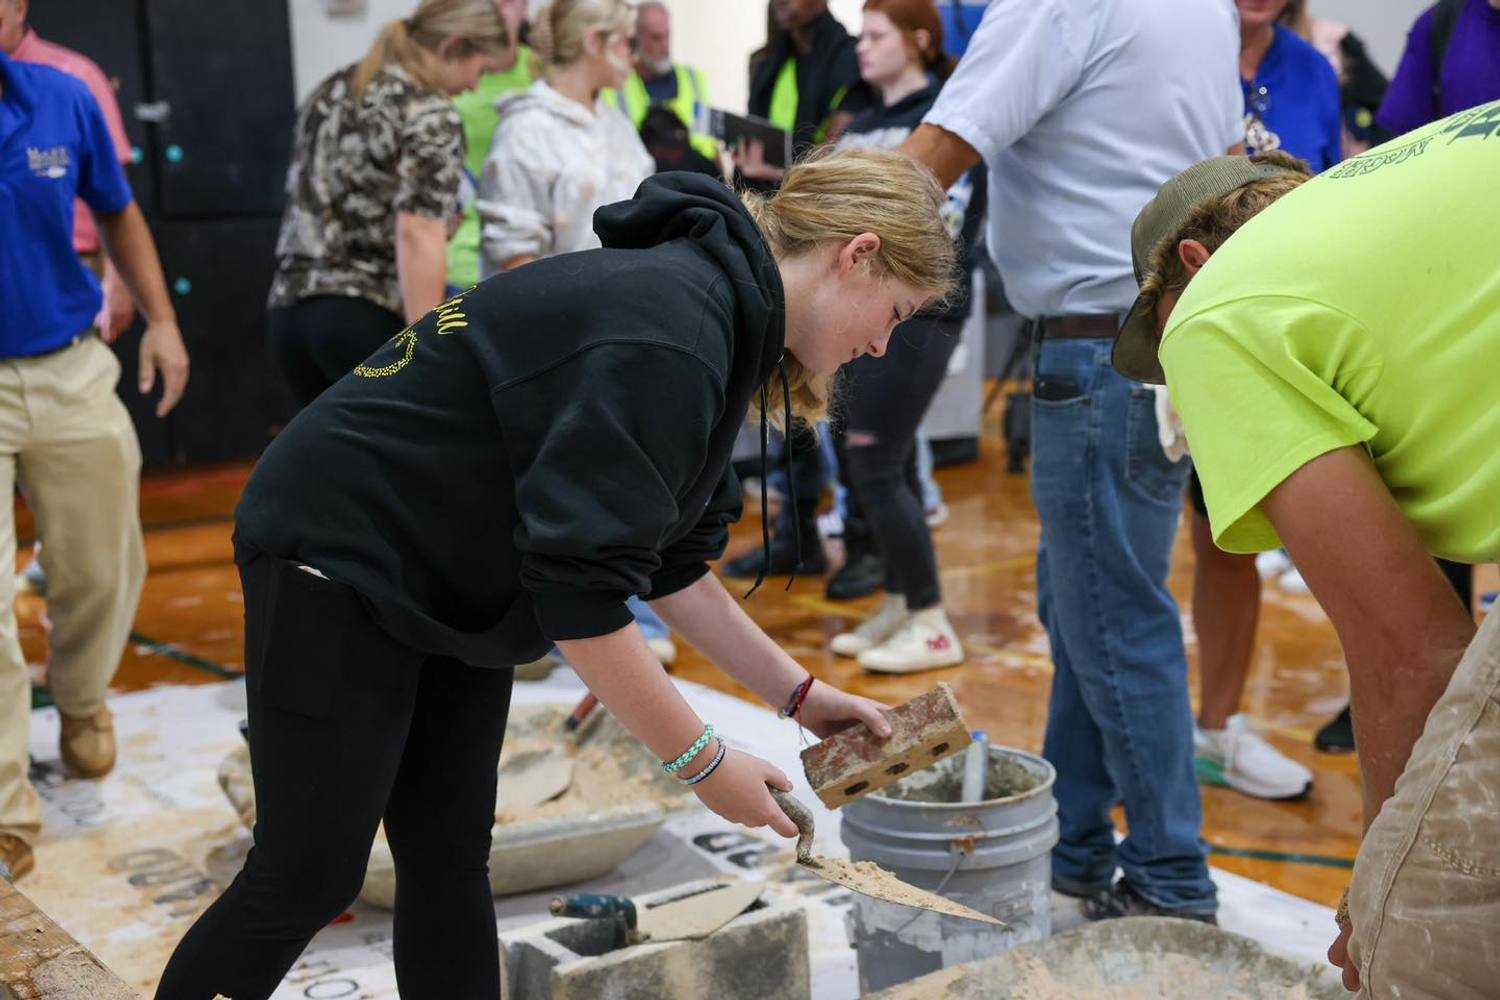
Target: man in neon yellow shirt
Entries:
(658, 82)
(477, 109)
(1334, 365)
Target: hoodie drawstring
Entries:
(765, 481)
(765, 506)
(786, 429)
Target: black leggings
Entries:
(883, 403)
(321, 339)
(347, 728)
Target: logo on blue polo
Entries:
(51, 163)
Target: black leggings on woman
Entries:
(321, 339)
(883, 401)
(348, 727)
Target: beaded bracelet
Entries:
(712, 766)
(692, 751)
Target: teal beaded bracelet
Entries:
(692, 752)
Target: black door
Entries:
(222, 72)
(219, 273)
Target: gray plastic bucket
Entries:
(995, 855)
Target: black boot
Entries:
(860, 576)
(784, 552)
(1338, 735)
(863, 572)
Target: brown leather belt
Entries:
(1092, 327)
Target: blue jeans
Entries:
(1119, 726)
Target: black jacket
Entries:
(508, 470)
(830, 67)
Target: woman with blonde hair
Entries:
(373, 186)
(500, 478)
(561, 152)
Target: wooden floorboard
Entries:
(189, 630)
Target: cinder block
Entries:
(851, 764)
(760, 955)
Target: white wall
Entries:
(322, 43)
(1381, 24)
(718, 36)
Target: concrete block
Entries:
(760, 955)
(854, 763)
(41, 961)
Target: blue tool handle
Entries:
(593, 906)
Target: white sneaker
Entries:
(1271, 565)
(664, 650)
(873, 630)
(1235, 757)
(1291, 581)
(925, 641)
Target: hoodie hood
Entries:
(541, 97)
(680, 205)
(683, 205)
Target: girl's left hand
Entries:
(827, 710)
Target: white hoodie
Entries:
(553, 162)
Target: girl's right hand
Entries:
(737, 792)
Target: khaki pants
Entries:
(67, 440)
(1425, 900)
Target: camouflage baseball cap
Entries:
(1136, 345)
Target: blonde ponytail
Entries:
(474, 24)
(392, 45)
(832, 197)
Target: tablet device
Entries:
(732, 129)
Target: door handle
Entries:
(154, 112)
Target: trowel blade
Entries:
(697, 915)
(869, 879)
(529, 779)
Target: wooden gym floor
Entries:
(189, 631)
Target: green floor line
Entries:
(172, 652)
(1322, 861)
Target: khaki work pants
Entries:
(1425, 899)
(66, 439)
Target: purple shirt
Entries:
(1471, 72)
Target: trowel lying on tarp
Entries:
(688, 917)
(866, 877)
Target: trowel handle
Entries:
(595, 906)
(799, 814)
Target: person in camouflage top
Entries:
(374, 184)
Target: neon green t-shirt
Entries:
(477, 109)
(1362, 308)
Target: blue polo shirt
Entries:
(54, 148)
(1293, 104)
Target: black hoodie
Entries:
(508, 470)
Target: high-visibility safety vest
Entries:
(785, 99)
(692, 97)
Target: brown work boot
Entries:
(88, 744)
(16, 859)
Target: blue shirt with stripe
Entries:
(54, 148)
